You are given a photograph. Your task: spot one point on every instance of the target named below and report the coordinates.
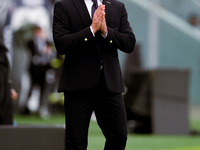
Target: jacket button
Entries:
(111, 41)
(86, 39)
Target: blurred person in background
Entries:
(6, 93)
(194, 21)
(42, 54)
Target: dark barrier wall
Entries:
(32, 138)
(157, 100)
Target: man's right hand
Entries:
(96, 20)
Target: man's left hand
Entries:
(103, 27)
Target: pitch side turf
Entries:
(187, 148)
(135, 141)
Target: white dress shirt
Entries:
(89, 4)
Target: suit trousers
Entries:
(109, 111)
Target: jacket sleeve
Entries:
(64, 38)
(123, 39)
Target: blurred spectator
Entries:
(195, 22)
(6, 94)
(42, 54)
(137, 95)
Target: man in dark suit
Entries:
(91, 79)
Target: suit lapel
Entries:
(83, 12)
(108, 6)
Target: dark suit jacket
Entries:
(73, 37)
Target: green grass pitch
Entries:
(135, 141)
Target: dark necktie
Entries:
(94, 7)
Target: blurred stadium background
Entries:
(162, 75)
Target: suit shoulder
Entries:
(63, 2)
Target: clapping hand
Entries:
(99, 21)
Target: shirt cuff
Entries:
(94, 34)
(106, 35)
(92, 31)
